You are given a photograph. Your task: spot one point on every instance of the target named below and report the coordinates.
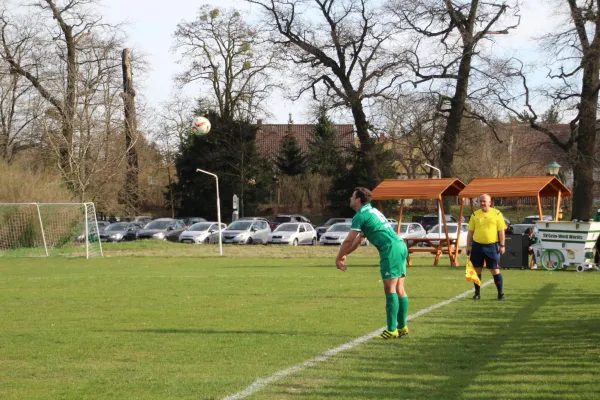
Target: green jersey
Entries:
(374, 226)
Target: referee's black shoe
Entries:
(476, 297)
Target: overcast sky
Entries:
(151, 26)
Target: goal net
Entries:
(49, 229)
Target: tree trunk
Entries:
(457, 108)
(366, 144)
(583, 165)
(68, 110)
(170, 181)
(4, 144)
(131, 189)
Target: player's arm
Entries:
(357, 242)
(346, 248)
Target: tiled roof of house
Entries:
(269, 136)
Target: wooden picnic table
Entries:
(437, 246)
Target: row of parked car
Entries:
(286, 229)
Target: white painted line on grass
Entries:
(260, 384)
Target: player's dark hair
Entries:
(363, 194)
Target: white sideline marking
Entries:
(259, 384)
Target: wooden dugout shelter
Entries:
(424, 189)
(522, 186)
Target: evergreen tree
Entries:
(291, 160)
(551, 116)
(354, 174)
(229, 152)
(324, 155)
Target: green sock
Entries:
(402, 311)
(391, 311)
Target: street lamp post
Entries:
(439, 205)
(218, 207)
(553, 170)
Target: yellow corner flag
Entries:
(470, 273)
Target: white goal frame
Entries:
(90, 225)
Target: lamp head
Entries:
(553, 168)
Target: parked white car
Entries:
(202, 232)
(336, 234)
(247, 231)
(452, 232)
(293, 234)
(409, 230)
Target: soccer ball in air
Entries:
(200, 126)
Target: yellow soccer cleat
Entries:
(389, 334)
(403, 331)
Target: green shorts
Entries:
(392, 263)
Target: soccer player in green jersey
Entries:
(372, 224)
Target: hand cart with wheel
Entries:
(564, 244)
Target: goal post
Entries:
(49, 229)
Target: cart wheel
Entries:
(552, 260)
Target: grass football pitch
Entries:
(184, 324)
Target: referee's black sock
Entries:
(477, 287)
(498, 282)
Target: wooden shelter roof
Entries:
(522, 186)
(396, 189)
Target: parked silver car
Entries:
(336, 234)
(293, 234)
(409, 230)
(323, 228)
(247, 232)
(434, 233)
(202, 232)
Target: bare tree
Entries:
(231, 57)
(19, 108)
(572, 54)
(342, 53)
(13, 37)
(456, 30)
(74, 63)
(415, 128)
(173, 119)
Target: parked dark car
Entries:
(281, 219)
(160, 228)
(120, 232)
(531, 219)
(323, 228)
(428, 221)
(92, 236)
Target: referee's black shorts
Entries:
(490, 253)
